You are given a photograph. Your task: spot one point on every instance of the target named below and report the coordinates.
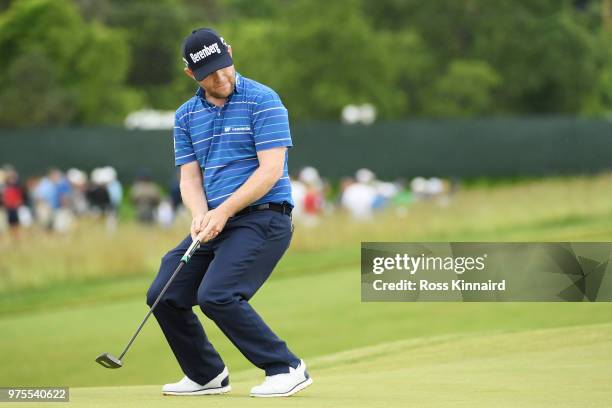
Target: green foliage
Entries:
(154, 36)
(544, 52)
(407, 57)
(599, 102)
(260, 9)
(319, 67)
(464, 90)
(548, 63)
(253, 54)
(60, 70)
(416, 68)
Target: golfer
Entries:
(230, 141)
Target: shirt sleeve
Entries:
(183, 148)
(270, 123)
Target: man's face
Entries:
(220, 84)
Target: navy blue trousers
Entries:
(221, 277)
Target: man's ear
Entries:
(189, 73)
(229, 49)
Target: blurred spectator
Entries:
(366, 177)
(433, 188)
(313, 201)
(310, 176)
(3, 223)
(165, 214)
(358, 196)
(312, 197)
(105, 195)
(61, 202)
(59, 198)
(402, 200)
(43, 193)
(385, 192)
(298, 192)
(97, 194)
(62, 191)
(418, 185)
(13, 198)
(115, 189)
(52, 201)
(78, 181)
(146, 196)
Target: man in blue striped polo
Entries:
(230, 141)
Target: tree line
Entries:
(82, 62)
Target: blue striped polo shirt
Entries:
(225, 140)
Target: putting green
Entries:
(567, 367)
(317, 315)
(57, 347)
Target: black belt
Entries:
(283, 208)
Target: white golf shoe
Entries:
(218, 385)
(284, 385)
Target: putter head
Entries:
(107, 360)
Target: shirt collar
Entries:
(238, 89)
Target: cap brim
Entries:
(222, 62)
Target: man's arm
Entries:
(192, 192)
(270, 170)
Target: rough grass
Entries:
(578, 208)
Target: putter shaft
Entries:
(188, 254)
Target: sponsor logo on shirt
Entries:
(237, 129)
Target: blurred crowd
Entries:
(363, 195)
(56, 200)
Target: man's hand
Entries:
(197, 224)
(210, 225)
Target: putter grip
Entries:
(192, 248)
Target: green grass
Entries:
(88, 290)
(317, 315)
(42, 270)
(522, 369)
(557, 209)
(64, 300)
(502, 370)
(563, 367)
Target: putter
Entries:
(107, 360)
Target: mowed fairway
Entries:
(359, 354)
